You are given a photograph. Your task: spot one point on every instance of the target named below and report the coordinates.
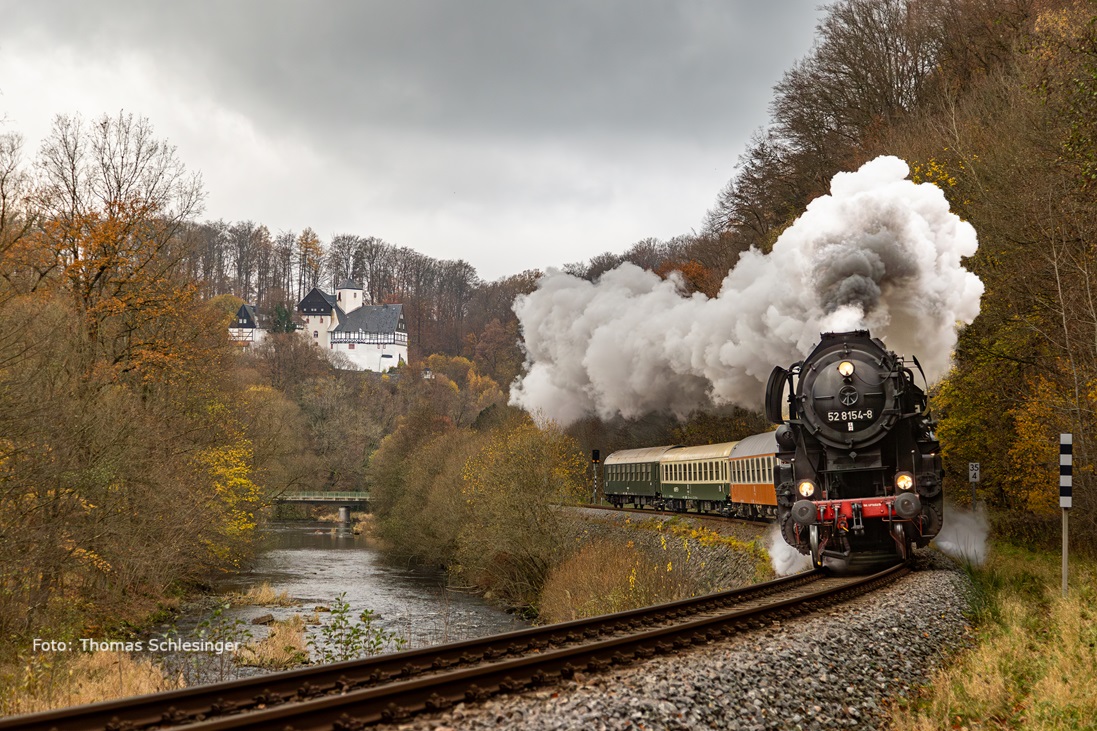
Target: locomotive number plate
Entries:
(862, 415)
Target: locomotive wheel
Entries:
(816, 554)
(904, 544)
(788, 530)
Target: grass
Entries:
(262, 596)
(1035, 663)
(57, 681)
(283, 648)
(608, 575)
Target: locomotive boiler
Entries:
(858, 473)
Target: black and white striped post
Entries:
(1066, 487)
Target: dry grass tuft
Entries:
(262, 596)
(59, 682)
(283, 648)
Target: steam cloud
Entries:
(964, 535)
(880, 252)
(784, 558)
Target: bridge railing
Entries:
(323, 496)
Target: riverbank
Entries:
(307, 578)
(310, 575)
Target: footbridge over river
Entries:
(345, 500)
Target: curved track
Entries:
(392, 687)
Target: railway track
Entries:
(388, 688)
(659, 512)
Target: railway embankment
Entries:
(845, 667)
(628, 559)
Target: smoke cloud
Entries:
(879, 252)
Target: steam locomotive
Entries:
(859, 469)
(852, 475)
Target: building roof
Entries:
(372, 319)
(317, 300)
(247, 314)
(348, 283)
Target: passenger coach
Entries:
(731, 478)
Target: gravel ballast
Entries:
(838, 669)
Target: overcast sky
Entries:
(511, 134)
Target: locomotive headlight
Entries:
(845, 368)
(904, 481)
(806, 488)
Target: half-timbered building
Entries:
(372, 337)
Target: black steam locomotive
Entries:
(858, 473)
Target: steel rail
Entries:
(398, 701)
(171, 708)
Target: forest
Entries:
(139, 449)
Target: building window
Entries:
(351, 346)
(315, 334)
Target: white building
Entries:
(245, 330)
(372, 337)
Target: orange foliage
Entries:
(695, 276)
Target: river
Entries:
(317, 563)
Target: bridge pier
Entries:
(344, 514)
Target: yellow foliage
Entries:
(229, 469)
(1032, 481)
(933, 171)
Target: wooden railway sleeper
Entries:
(267, 698)
(474, 693)
(597, 664)
(394, 712)
(437, 703)
(348, 723)
(512, 685)
(221, 707)
(540, 677)
(308, 690)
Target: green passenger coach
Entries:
(697, 477)
(632, 476)
(733, 478)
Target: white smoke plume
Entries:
(879, 252)
(964, 535)
(784, 558)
